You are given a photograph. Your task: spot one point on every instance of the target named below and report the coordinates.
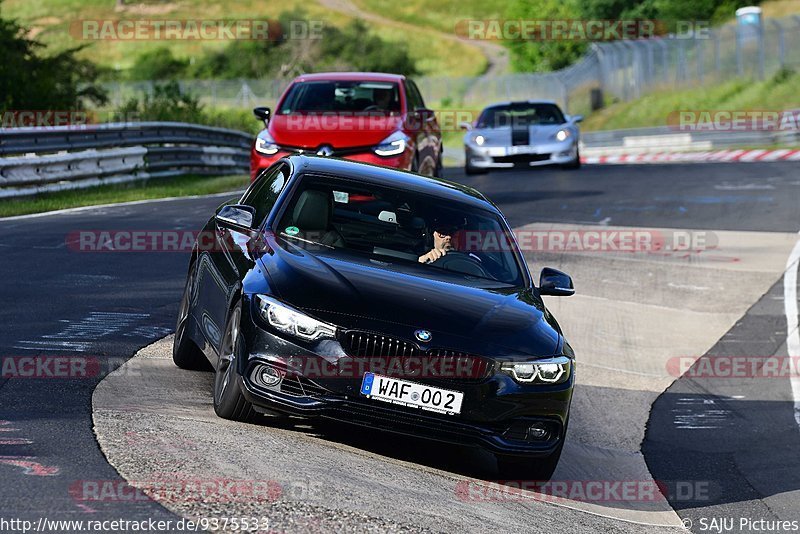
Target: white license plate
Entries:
(514, 150)
(387, 389)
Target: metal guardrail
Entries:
(71, 157)
(666, 138)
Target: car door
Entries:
(222, 268)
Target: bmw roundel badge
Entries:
(423, 335)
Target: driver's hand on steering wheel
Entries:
(441, 244)
(432, 256)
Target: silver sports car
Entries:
(522, 134)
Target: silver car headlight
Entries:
(563, 135)
(293, 322)
(554, 370)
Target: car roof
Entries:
(514, 102)
(351, 76)
(379, 175)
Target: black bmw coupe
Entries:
(379, 298)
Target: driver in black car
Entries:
(442, 243)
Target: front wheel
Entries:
(576, 164)
(229, 402)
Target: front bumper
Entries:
(508, 157)
(259, 161)
(496, 412)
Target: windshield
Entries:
(338, 96)
(432, 234)
(522, 114)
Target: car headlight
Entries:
(393, 145)
(479, 140)
(293, 322)
(563, 135)
(545, 371)
(265, 144)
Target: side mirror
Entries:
(236, 217)
(465, 126)
(554, 282)
(577, 118)
(262, 113)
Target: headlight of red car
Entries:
(393, 145)
(265, 144)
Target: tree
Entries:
(30, 80)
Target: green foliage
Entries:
(552, 55)
(350, 48)
(30, 80)
(544, 55)
(158, 64)
(168, 102)
(782, 76)
(240, 59)
(353, 47)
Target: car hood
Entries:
(310, 130)
(537, 134)
(356, 292)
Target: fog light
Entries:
(266, 376)
(538, 432)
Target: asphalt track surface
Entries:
(109, 305)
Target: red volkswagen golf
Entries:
(369, 117)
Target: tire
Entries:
(229, 403)
(439, 167)
(521, 468)
(574, 164)
(469, 170)
(185, 353)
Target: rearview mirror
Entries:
(237, 217)
(262, 113)
(465, 126)
(554, 282)
(577, 118)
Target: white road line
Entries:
(792, 331)
(79, 209)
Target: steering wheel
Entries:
(462, 263)
(372, 107)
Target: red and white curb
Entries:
(783, 154)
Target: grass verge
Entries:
(778, 93)
(112, 194)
